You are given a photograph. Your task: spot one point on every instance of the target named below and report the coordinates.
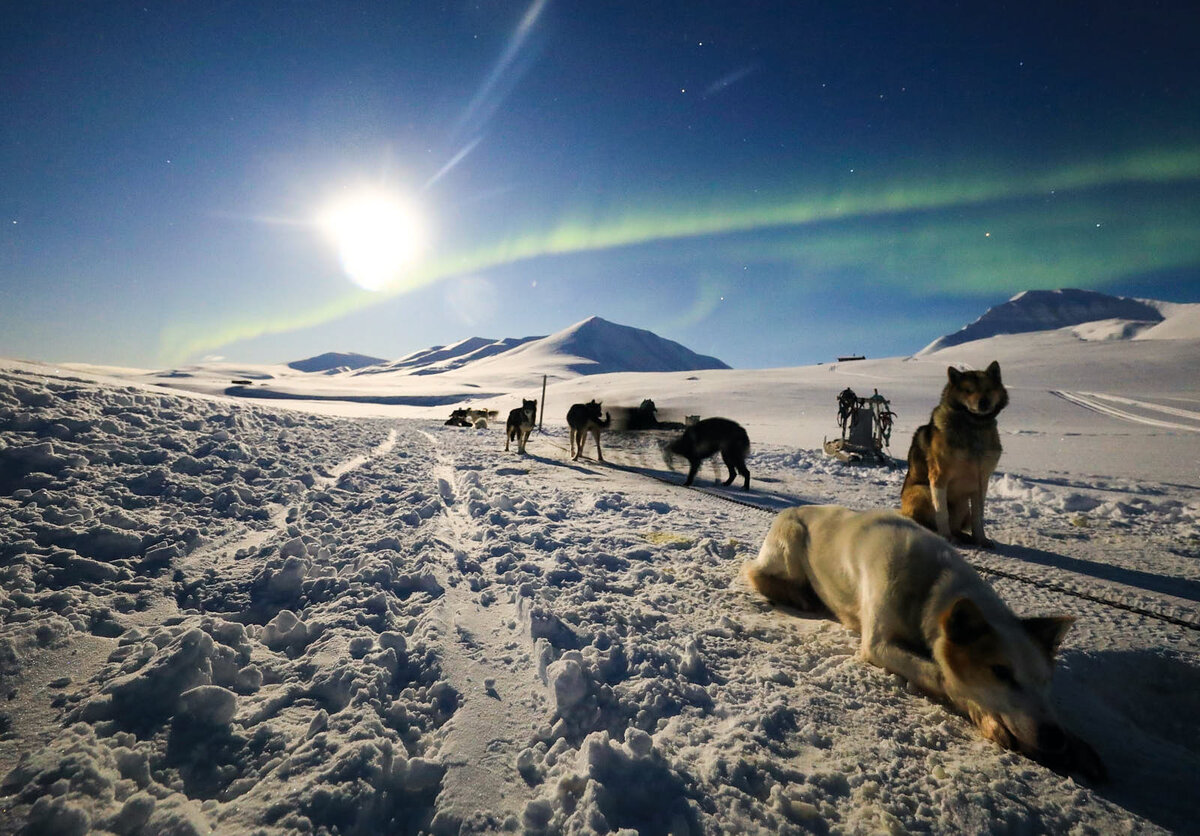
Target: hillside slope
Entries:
(597, 346)
(1048, 310)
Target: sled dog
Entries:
(926, 615)
(520, 424)
(952, 457)
(708, 437)
(477, 418)
(583, 418)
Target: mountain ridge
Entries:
(590, 346)
(1047, 310)
(334, 360)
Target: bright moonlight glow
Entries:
(377, 235)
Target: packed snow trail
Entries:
(1098, 402)
(448, 638)
(488, 656)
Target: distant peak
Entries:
(1049, 310)
(592, 320)
(334, 360)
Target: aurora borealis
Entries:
(725, 179)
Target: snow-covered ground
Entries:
(220, 615)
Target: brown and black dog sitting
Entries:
(953, 456)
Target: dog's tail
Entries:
(668, 457)
(778, 571)
(780, 590)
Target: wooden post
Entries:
(542, 411)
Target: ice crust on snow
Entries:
(225, 618)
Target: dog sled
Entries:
(866, 425)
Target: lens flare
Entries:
(378, 236)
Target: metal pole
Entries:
(542, 411)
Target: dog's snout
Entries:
(1051, 738)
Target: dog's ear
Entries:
(953, 374)
(993, 370)
(1047, 632)
(963, 622)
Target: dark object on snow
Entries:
(645, 417)
(477, 418)
(708, 437)
(866, 425)
(520, 424)
(641, 418)
(583, 418)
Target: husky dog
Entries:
(477, 418)
(926, 615)
(583, 418)
(710, 436)
(952, 457)
(520, 424)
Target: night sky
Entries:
(770, 183)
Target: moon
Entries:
(377, 234)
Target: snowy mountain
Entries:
(468, 370)
(331, 360)
(593, 346)
(1049, 310)
(442, 358)
(597, 346)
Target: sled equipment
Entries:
(866, 425)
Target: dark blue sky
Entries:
(770, 183)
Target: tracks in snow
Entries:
(220, 554)
(490, 659)
(222, 550)
(1110, 405)
(354, 462)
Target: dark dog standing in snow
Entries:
(710, 436)
(583, 418)
(520, 424)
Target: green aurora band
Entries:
(925, 237)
